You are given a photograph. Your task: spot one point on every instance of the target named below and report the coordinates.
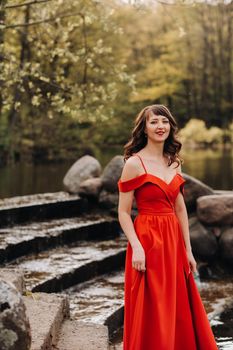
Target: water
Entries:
(95, 300)
(213, 167)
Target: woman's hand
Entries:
(138, 258)
(192, 261)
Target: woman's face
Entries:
(157, 127)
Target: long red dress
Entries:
(163, 307)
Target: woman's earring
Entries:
(145, 134)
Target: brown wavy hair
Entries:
(172, 145)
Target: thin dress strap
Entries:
(141, 162)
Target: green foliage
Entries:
(195, 133)
(74, 74)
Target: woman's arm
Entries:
(182, 215)
(130, 170)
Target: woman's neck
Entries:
(153, 151)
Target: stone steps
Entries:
(50, 323)
(57, 269)
(38, 207)
(35, 237)
(76, 335)
(55, 254)
(49, 315)
(99, 300)
(46, 313)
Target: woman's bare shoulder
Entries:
(131, 168)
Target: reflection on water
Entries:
(213, 167)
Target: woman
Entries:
(163, 308)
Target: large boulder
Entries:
(216, 209)
(194, 188)
(15, 333)
(204, 243)
(112, 173)
(226, 244)
(90, 187)
(84, 168)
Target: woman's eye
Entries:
(155, 121)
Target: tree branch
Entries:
(52, 19)
(26, 4)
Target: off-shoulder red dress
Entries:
(163, 308)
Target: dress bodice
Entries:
(152, 193)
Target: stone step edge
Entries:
(79, 335)
(115, 321)
(36, 212)
(36, 199)
(64, 236)
(46, 313)
(83, 273)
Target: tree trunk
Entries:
(2, 22)
(13, 117)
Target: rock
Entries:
(108, 200)
(15, 333)
(226, 244)
(15, 277)
(90, 187)
(193, 189)
(222, 192)
(84, 168)
(46, 312)
(112, 173)
(204, 243)
(216, 209)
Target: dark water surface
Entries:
(213, 167)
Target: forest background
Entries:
(74, 74)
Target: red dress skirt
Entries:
(163, 308)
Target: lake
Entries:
(213, 167)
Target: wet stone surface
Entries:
(223, 329)
(217, 298)
(95, 300)
(55, 262)
(21, 233)
(40, 198)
